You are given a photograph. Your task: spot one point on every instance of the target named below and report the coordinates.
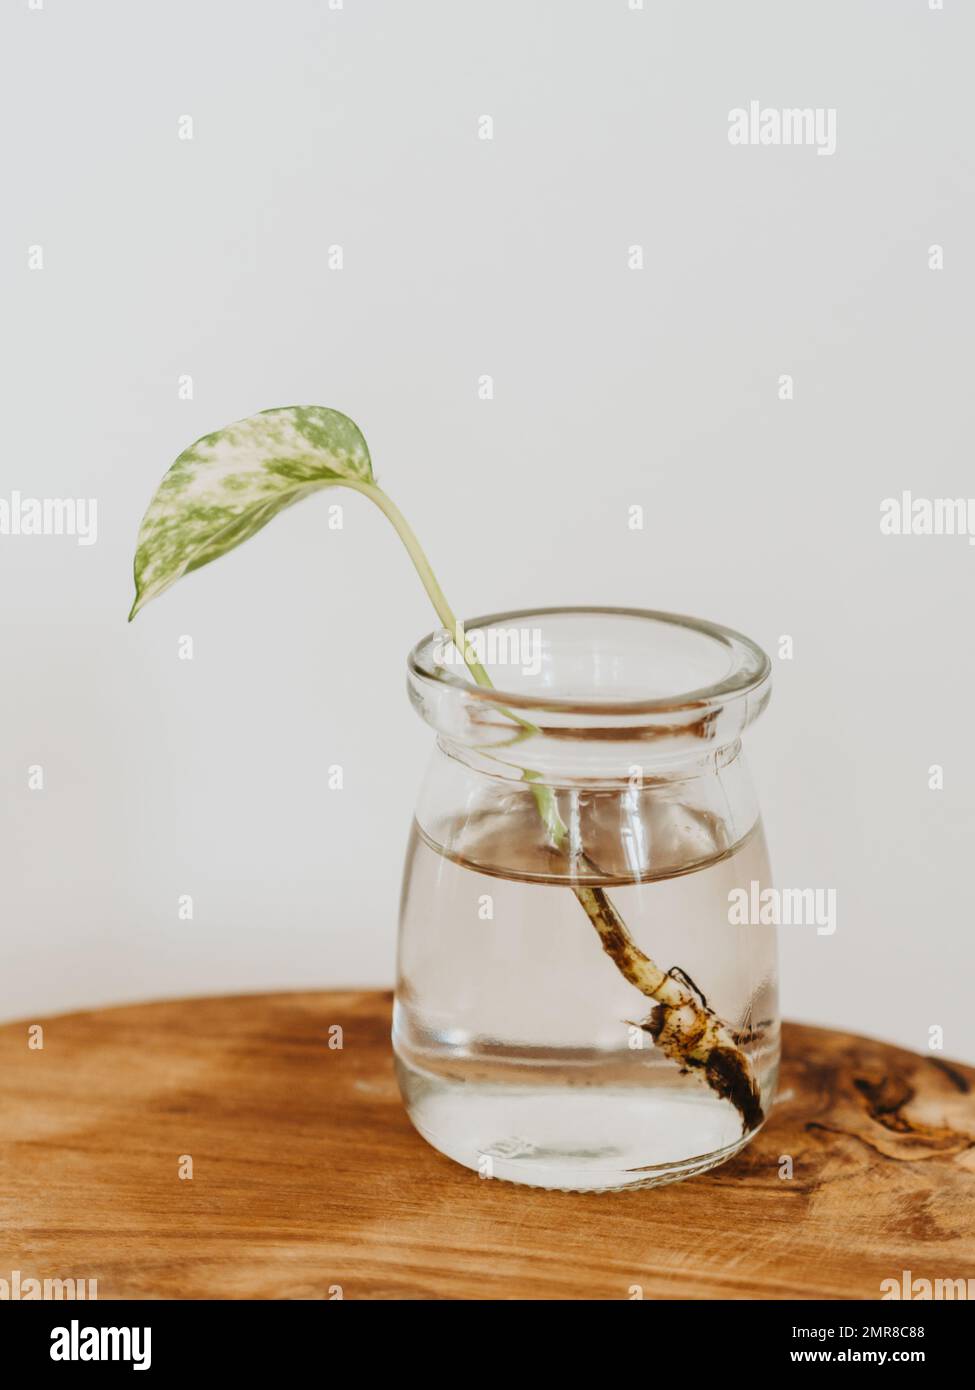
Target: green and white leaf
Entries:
(228, 485)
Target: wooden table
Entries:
(307, 1177)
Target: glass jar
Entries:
(576, 1004)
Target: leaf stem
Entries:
(544, 796)
(427, 577)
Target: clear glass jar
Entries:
(590, 812)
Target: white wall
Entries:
(613, 387)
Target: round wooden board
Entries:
(308, 1177)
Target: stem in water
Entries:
(681, 1024)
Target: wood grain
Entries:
(307, 1174)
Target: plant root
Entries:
(681, 1024)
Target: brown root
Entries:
(681, 1024)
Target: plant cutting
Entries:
(228, 485)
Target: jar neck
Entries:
(657, 822)
(594, 764)
(607, 691)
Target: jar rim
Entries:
(748, 672)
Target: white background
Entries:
(358, 127)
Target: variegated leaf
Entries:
(229, 484)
